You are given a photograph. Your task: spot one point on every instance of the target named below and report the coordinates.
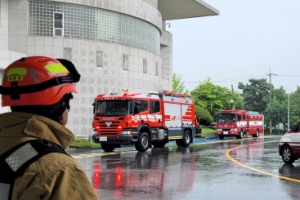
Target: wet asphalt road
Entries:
(230, 169)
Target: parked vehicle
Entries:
(239, 123)
(289, 144)
(143, 120)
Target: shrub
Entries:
(205, 117)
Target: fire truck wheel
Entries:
(287, 154)
(241, 135)
(159, 144)
(179, 143)
(108, 147)
(186, 140)
(143, 142)
(256, 135)
(221, 137)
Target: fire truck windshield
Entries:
(111, 108)
(226, 117)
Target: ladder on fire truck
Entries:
(173, 94)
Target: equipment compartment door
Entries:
(173, 120)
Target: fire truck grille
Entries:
(109, 128)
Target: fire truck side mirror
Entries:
(94, 107)
(239, 118)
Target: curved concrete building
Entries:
(115, 44)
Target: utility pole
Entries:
(231, 101)
(288, 111)
(270, 78)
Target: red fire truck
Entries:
(143, 120)
(239, 123)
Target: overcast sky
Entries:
(248, 39)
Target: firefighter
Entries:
(38, 90)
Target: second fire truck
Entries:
(239, 123)
(143, 120)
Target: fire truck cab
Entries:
(143, 120)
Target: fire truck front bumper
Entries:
(227, 132)
(119, 139)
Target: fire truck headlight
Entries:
(219, 130)
(126, 133)
(233, 129)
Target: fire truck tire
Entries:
(221, 137)
(143, 142)
(159, 144)
(256, 135)
(241, 135)
(108, 147)
(186, 140)
(179, 143)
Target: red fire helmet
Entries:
(38, 80)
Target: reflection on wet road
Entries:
(244, 169)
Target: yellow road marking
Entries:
(254, 169)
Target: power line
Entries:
(286, 75)
(226, 80)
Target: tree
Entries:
(178, 85)
(256, 94)
(295, 106)
(280, 94)
(282, 97)
(274, 111)
(213, 98)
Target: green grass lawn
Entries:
(207, 133)
(83, 143)
(208, 130)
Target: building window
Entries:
(68, 53)
(48, 18)
(144, 65)
(125, 62)
(156, 69)
(99, 58)
(58, 24)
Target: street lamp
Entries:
(288, 110)
(288, 116)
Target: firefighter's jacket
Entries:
(54, 176)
